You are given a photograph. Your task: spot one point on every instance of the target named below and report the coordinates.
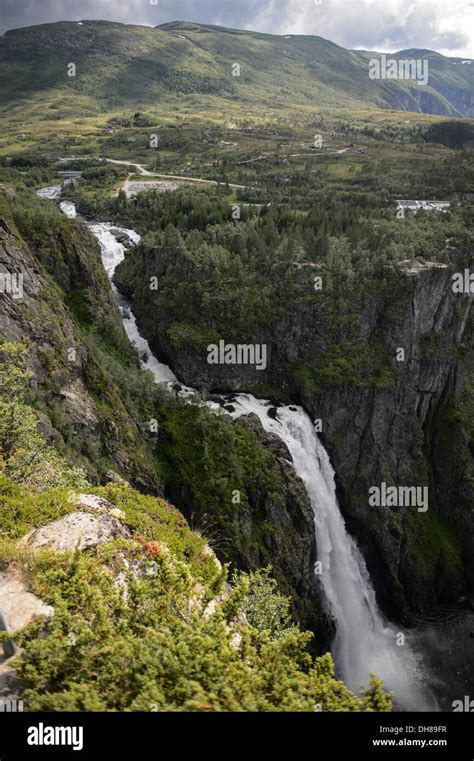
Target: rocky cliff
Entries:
(83, 368)
(384, 374)
(235, 483)
(65, 294)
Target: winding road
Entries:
(145, 173)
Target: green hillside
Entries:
(122, 66)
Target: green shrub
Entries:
(154, 649)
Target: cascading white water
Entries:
(113, 253)
(364, 641)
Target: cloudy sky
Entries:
(388, 25)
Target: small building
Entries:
(415, 206)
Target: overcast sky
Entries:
(388, 25)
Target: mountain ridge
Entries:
(123, 64)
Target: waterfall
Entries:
(364, 641)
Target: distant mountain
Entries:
(122, 66)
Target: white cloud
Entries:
(388, 25)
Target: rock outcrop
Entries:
(64, 286)
(273, 527)
(389, 427)
(18, 608)
(75, 531)
(18, 605)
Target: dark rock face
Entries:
(68, 273)
(293, 544)
(393, 435)
(409, 431)
(278, 529)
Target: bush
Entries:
(24, 455)
(159, 648)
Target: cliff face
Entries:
(397, 435)
(65, 291)
(290, 541)
(268, 520)
(401, 423)
(85, 411)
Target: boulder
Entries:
(10, 686)
(81, 530)
(91, 502)
(96, 504)
(121, 236)
(18, 607)
(111, 475)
